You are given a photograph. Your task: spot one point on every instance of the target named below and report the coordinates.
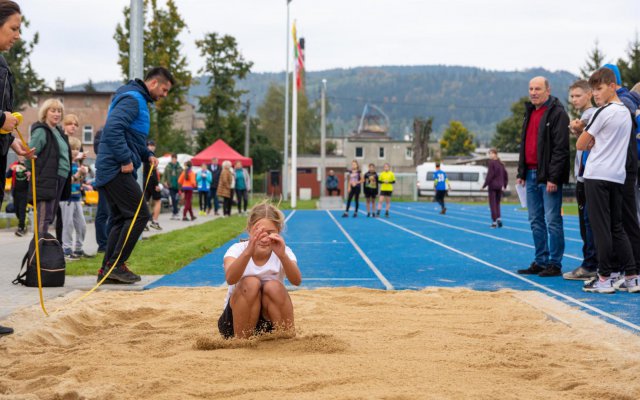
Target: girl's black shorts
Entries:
(386, 193)
(370, 193)
(225, 323)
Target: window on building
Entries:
(87, 134)
(381, 152)
(408, 153)
(359, 152)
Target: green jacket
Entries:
(171, 174)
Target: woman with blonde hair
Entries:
(53, 165)
(225, 187)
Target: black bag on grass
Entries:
(52, 264)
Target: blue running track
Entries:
(417, 248)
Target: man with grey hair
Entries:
(543, 168)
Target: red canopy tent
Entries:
(222, 151)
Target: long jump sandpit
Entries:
(350, 344)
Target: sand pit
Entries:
(351, 344)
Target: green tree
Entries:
(223, 66)
(595, 60)
(265, 156)
(26, 79)
(630, 68)
(162, 48)
(509, 130)
(89, 87)
(457, 140)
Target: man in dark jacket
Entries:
(122, 150)
(544, 167)
(102, 212)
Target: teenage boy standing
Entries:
(607, 137)
(580, 97)
(441, 185)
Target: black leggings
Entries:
(226, 206)
(354, 193)
(202, 197)
(242, 196)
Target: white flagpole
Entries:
(294, 137)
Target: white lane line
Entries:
(289, 216)
(340, 279)
(331, 242)
(480, 233)
(366, 259)
(434, 213)
(543, 287)
(514, 220)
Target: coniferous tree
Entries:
(509, 130)
(595, 60)
(630, 68)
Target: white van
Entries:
(465, 180)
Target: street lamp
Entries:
(285, 166)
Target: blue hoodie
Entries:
(124, 137)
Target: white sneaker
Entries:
(600, 285)
(618, 279)
(631, 285)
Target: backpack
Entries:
(52, 264)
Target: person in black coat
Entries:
(215, 169)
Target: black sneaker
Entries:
(368, 215)
(494, 225)
(185, 218)
(386, 214)
(82, 254)
(378, 213)
(71, 257)
(121, 274)
(192, 218)
(444, 210)
(355, 214)
(551, 270)
(21, 232)
(499, 222)
(580, 274)
(5, 330)
(146, 228)
(534, 269)
(345, 215)
(155, 225)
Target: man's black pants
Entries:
(605, 202)
(630, 215)
(440, 194)
(123, 195)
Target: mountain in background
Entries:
(479, 98)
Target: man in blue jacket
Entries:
(122, 150)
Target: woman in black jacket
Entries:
(10, 21)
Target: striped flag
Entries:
(298, 56)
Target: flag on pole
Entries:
(298, 55)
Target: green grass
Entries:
(166, 253)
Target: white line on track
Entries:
(434, 213)
(289, 216)
(340, 279)
(542, 287)
(366, 259)
(479, 233)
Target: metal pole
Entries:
(247, 130)
(294, 145)
(285, 165)
(323, 137)
(136, 58)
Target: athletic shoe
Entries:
(4, 330)
(345, 215)
(155, 225)
(534, 269)
(185, 219)
(146, 228)
(499, 222)
(355, 214)
(551, 270)
(386, 214)
(194, 218)
(21, 232)
(631, 285)
(579, 274)
(71, 257)
(600, 285)
(82, 254)
(120, 274)
(378, 213)
(443, 211)
(494, 225)
(175, 217)
(368, 215)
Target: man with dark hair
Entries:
(544, 167)
(122, 150)
(607, 137)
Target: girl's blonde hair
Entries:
(71, 119)
(265, 210)
(75, 143)
(46, 106)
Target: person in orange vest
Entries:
(188, 183)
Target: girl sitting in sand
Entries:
(257, 300)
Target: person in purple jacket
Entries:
(496, 180)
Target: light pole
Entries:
(136, 22)
(285, 166)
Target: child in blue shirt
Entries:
(441, 184)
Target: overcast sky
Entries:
(76, 36)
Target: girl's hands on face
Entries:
(277, 244)
(256, 235)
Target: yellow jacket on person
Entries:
(386, 179)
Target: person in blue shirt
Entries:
(122, 150)
(441, 185)
(242, 186)
(203, 179)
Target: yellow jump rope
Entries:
(18, 116)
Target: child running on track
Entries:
(355, 180)
(257, 300)
(387, 179)
(371, 190)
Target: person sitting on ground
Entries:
(153, 192)
(257, 300)
(71, 210)
(332, 183)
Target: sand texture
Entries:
(351, 344)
